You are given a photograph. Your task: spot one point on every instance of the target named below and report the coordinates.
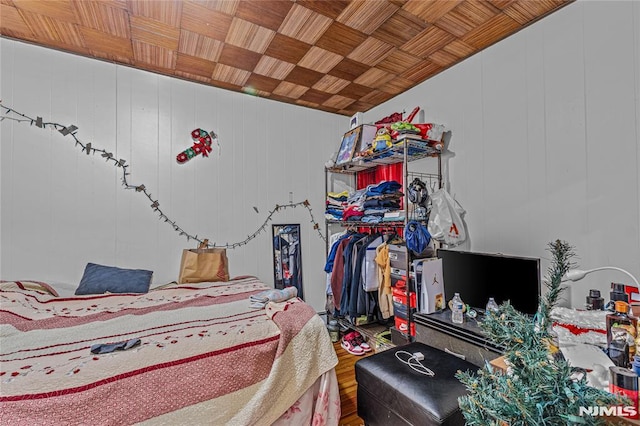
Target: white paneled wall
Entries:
(61, 208)
(545, 135)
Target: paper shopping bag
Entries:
(203, 265)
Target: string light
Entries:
(88, 148)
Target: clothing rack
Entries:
(361, 171)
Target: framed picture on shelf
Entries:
(348, 146)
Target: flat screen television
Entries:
(478, 276)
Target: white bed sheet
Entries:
(66, 289)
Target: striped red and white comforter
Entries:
(206, 357)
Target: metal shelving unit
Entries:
(405, 151)
(417, 149)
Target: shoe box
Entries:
(398, 263)
(401, 325)
(400, 308)
(425, 298)
(399, 296)
(398, 260)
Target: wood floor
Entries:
(345, 371)
(348, 386)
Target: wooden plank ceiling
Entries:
(340, 56)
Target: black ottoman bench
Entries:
(391, 393)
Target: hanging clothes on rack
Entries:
(369, 279)
(385, 291)
(328, 268)
(336, 238)
(348, 271)
(356, 292)
(367, 299)
(337, 276)
(360, 286)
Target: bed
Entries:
(199, 355)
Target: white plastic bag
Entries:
(445, 220)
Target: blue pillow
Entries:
(99, 279)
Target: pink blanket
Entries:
(205, 357)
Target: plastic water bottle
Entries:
(457, 309)
(334, 330)
(491, 305)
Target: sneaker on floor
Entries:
(359, 340)
(350, 335)
(363, 345)
(350, 346)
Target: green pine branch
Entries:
(562, 255)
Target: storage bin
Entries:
(391, 393)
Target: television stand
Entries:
(466, 340)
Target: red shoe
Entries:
(364, 345)
(350, 335)
(359, 340)
(349, 345)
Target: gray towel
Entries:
(261, 299)
(103, 348)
